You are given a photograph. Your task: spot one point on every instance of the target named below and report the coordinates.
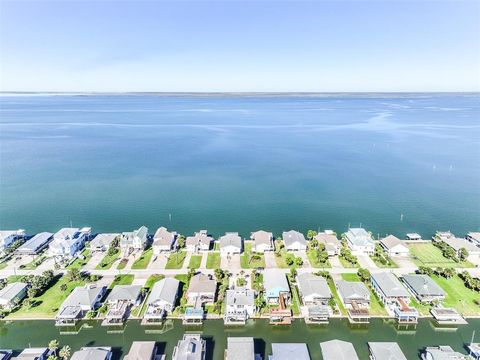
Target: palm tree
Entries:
(52, 357)
(53, 346)
(65, 352)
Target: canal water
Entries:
(20, 334)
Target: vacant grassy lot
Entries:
(47, 304)
(195, 261)
(458, 296)
(175, 260)
(249, 262)
(334, 292)
(390, 265)
(426, 254)
(315, 263)
(143, 261)
(280, 255)
(125, 279)
(213, 260)
(108, 261)
(79, 263)
(376, 308)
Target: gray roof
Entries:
(386, 351)
(141, 350)
(292, 236)
(83, 296)
(390, 285)
(33, 353)
(165, 290)
(324, 238)
(200, 237)
(423, 285)
(103, 240)
(92, 353)
(128, 237)
(262, 237)
(201, 283)
(391, 241)
(359, 237)
(240, 348)
(351, 290)
(338, 350)
(310, 284)
(163, 237)
(289, 351)
(474, 235)
(124, 292)
(240, 297)
(443, 353)
(12, 290)
(275, 278)
(458, 243)
(191, 347)
(231, 239)
(35, 242)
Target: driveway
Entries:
(303, 255)
(270, 261)
(97, 256)
(230, 262)
(335, 262)
(158, 262)
(366, 262)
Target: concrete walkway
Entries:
(186, 262)
(203, 264)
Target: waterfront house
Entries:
(34, 353)
(294, 241)
(338, 350)
(457, 244)
(8, 237)
(201, 290)
(120, 300)
(289, 351)
(442, 352)
(67, 242)
(385, 350)
(394, 296)
(93, 353)
(394, 246)
(360, 241)
(12, 294)
(262, 241)
(6, 354)
(447, 316)
(231, 243)
(355, 296)
(102, 242)
(143, 350)
(276, 286)
(413, 237)
(313, 289)
(163, 240)
(240, 348)
(80, 301)
(423, 288)
(239, 305)
(442, 235)
(200, 241)
(162, 300)
(135, 240)
(191, 347)
(473, 237)
(331, 242)
(36, 244)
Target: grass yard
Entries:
(426, 254)
(78, 263)
(458, 296)
(346, 264)
(125, 279)
(195, 261)
(315, 263)
(376, 308)
(32, 265)
(390, 265)
(334, 292)
(152, 279)
(175, 260)
(280, 257)
(213, 260)
(246, 260)
(108, 261)
(122, 264)
(295, 298)
(143, 261)
(423, 309)
(350, 277)
(47, 304)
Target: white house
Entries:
(473, 237)
(360, 241)
(201, 290)
(276, 286)
(163, 240)
(394, 246)
(458, 243)
(8, 237)
(80, 301)
(162, 299)
(200, 241)
(294, 240)
(134, 240)
(240, 304)
(262, 241)
(12, 294)
(231, 243)
(67, 242)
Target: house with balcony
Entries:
(360, 241)
(294, 241)
(120, 301)
(135, 240)
(8, 237)
(276, 286)
(262, 241)
(200, 241)
(231, 243)
(68, 242)
(201, 290)
(393, 246)
(330, 241)
(36, 244)
(424, 288)
(239, 305)
(313, 289)
(191, 347)
(102, 242)
(161, 301)
(163, 240)
(144, 350)
(355, 297)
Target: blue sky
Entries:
(240, 46)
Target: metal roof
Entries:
(423, 285)
(386, 351)
(240, 348)
(390, 285)
(338, 350)
(164, 290)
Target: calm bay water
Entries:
(240, 163)
(19, 334)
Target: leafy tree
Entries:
(181, 241)
(463, 254)
(298, 261)
(3, 283)
(65, 352)
(74, 275)
(311, 234)
(364, 274)
(289, 259)
(293, 272)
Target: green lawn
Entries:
(423, 309)
(295, 298)
(213, 260)
(108, 261)
(143, 261)
(122, 264)
(32, 265)
(125, 279)
(47, 304)
(390, 265)
(315, 263)
(458, 296)
(350, 277)
(280, 256)
(152, 279)
(216, 246)
(333, 289)
(246, 260)
(347, 264)
(376, 308)
(176, 260)
(426, 254)
(79, 263)
(195, 261)
(139, 311)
